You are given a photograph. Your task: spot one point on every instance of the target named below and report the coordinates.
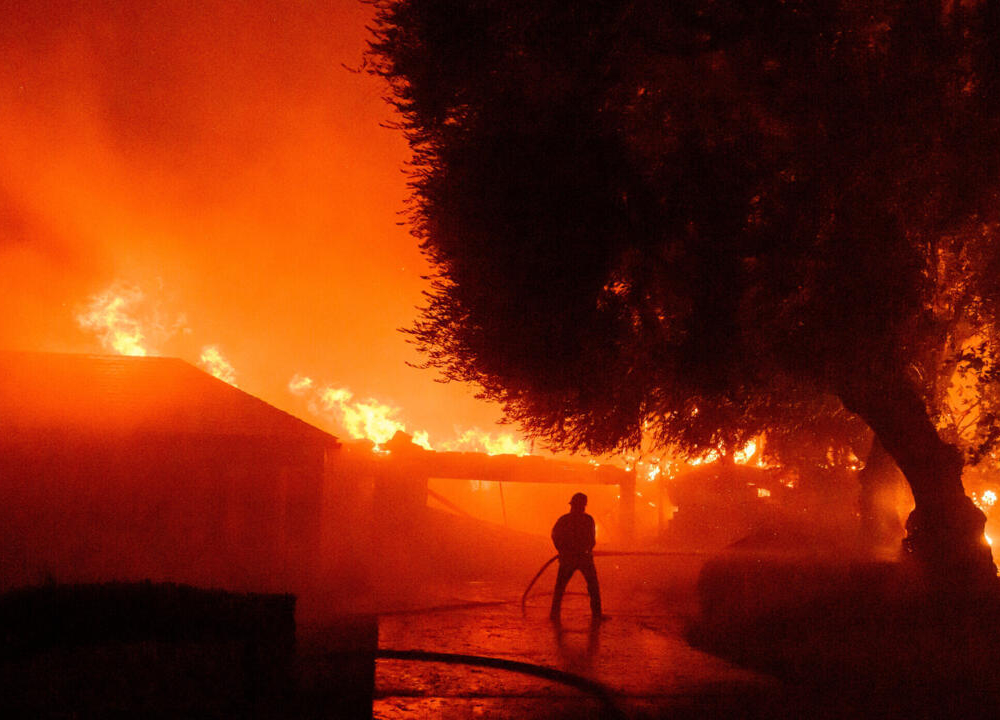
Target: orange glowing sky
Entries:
(221, 158)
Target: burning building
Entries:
(125, 468)
(128, 468)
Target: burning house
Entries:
(126, 468)
(130, 468)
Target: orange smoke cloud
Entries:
(232, 154)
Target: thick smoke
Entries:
(229, 154)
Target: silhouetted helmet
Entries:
(578, 499)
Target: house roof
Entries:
(104, 393)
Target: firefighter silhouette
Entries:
(574, 535)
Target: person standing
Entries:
(574, 535)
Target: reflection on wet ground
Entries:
(639, 655)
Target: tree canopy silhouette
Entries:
(682, 220)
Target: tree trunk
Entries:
(945, 531)
(880, 527)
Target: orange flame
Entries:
(421, 438)
(476, 440)
(710, 457)
(369, 419)
(378, 422)
(213, 361)
(742, 456)
(127, 321)
(111, 315)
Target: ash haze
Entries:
(220, 161)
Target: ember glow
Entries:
(989, 498)
(710, 457)
(985, 500)
(742, 456)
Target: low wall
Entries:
(142, 648)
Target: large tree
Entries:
(665, 220)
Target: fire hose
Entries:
(598, 553)
(586, 685)
(597, 690)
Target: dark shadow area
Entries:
(174, 651)
(853, 638)
(142, 648)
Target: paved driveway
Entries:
(639, 657)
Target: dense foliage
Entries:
(689, 220)
(639, 209)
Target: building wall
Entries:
(239, 513)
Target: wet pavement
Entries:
(638, 662)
